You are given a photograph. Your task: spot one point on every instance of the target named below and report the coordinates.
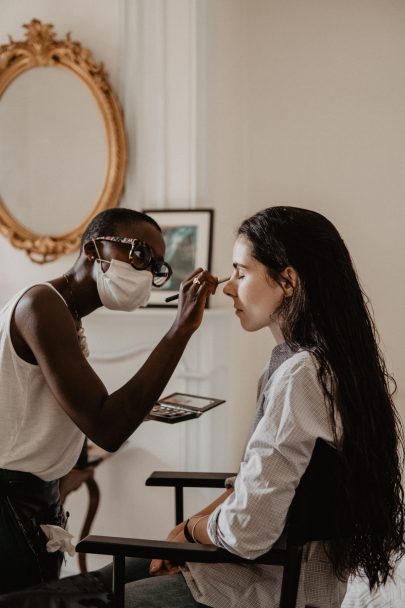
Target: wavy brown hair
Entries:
(328, 314)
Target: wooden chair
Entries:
(313, 516)
(83, 472)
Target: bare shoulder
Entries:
(40, 315)
(39, 303)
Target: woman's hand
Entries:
(162, 567)
(194, 292)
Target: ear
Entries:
(289, 280)
(90, 250)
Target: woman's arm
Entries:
(214, 504)
(200, 519)
(160, 566)
(47, 327)
(253, 517)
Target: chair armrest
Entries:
(180, 479)
(175, 552)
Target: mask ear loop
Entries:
(99, 259)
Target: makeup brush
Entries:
(176, 295)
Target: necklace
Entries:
(80, 331)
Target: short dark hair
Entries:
(106, 222)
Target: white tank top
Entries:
(36, 435)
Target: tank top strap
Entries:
(43, 283)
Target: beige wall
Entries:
(306, 107)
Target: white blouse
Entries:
(292, 415)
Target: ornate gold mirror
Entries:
(63, 149)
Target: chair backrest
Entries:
(316, 512)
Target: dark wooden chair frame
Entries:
(312, 516)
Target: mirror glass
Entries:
(53, 150)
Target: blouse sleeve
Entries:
(253, 517)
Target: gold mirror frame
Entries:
(41, 48)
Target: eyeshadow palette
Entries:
(170, 414)
(181, 406)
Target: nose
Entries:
(228, 289)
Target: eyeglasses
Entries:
(141, 257)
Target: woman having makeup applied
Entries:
(325, 380)
(50, 397)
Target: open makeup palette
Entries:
(182, 406)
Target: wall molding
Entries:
(158, 86)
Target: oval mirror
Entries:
(62, 142)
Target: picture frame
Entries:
(188, 237)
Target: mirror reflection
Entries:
(53, 153)
(63, 149)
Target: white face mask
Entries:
(122, 287)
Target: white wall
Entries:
(241, 104)
(306, 107)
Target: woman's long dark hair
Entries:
(328, 315)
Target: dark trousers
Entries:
(26, 502)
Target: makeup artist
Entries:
(50, 397)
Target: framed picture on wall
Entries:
(188, 238)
